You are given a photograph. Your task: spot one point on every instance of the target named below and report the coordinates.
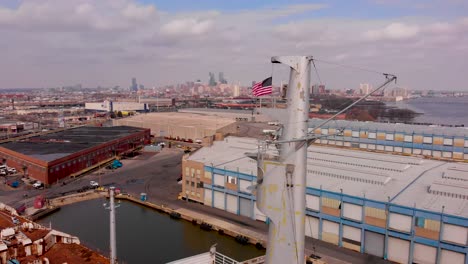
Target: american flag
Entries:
(262, 88)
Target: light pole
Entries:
(113, 239)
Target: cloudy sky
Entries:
(50, 43)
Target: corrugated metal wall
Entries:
(451, 257)
(351, 238)
(352, 211)
(246, 207)
(330, 231)
(312, 227)
(231, 203)
(218, 200)
(374, 243)
(398, 250)
(208, 200)
(424, 254)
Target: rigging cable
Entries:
(349, 66)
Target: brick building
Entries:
(54, 156)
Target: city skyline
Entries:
(52, 43)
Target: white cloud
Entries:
(58, 42)
(76, 15)
(190, 26)
(394, 31)
(137, 12)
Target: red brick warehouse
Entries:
(51, 157)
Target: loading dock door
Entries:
(398, 250)
(246, 207)
(424, 254)
(208, 199)
(218, 200)
(374, 243)
(452, 257)
(231, 203)
(330, 231)
(311, 226)
(351, 238)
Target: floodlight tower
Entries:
(282, 179)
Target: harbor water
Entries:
(438, 110)
(143, 235)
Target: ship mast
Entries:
(281, 180)
(281, 194)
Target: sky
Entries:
(53, 43)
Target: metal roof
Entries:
(392, 127)
(376, 176)
(53, 146)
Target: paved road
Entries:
(157, 174)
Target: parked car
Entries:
(38, 185)
(94, 184)
(114, 165)
(11, 170)
(13, 184)
(15, 220)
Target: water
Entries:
(438, 110)
(143, 235)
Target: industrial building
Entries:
(401, 208)
(112, 106)
(191, 123)
(183, 125)
(449, 143)
(436, 142)
(56, 155)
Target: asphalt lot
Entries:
(156, 174)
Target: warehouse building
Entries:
(404, 209)
(450, 143)
(437, 142)
(192, 124)
(182, 125)
(111, 106)
(53, 156)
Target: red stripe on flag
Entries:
(263, 91)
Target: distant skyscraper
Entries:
(212, 81)
(364, 88)
(221, 78)
(236, 90)
(134, 86)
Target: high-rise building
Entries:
(236, 90)
(212, 81)
(221, 78)
(364, 88)
(317, 89)
(134, 86)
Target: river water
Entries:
(438, 110)
(143, 235)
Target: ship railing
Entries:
(222, 259)
(257, 260)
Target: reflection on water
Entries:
(143, 235)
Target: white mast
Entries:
(113, 242)
(282, 180)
